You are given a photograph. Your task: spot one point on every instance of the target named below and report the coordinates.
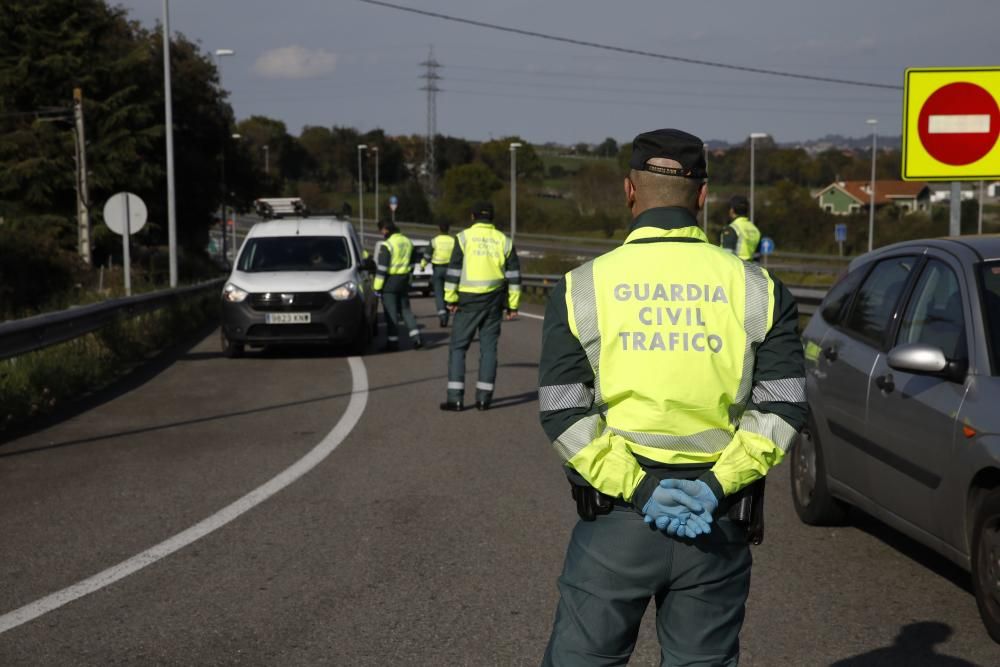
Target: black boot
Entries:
(482, 405)
(451, 406)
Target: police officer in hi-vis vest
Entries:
(438, 253)
(671, 382)
(393, 267)
(483, 279)
(741, 237)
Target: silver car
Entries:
(903, 378)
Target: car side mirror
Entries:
(923, 359)
(368, 264)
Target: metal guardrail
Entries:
(40, 331)
(808, 298)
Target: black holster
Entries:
(749, 510)
(590, 503)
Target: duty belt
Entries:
(746, 506)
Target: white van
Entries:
(299, 280)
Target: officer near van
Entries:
(741, 237)
(393, 267)
(482, 280)
(671, 381)
(438, 253)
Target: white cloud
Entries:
(295, 62)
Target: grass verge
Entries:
(34, 384)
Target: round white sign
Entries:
(121, 206)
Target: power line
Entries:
(652, 105)
(660, 92)
(637, 52)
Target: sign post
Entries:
(840, 235)
(125, 214)
(766, 248)
(951, 123)
(393, 204)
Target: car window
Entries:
(871, 311)
(295, 253)
(835, 302)
(991, 307)
(934, 314)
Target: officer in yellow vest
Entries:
(392, 283)
(483, 278)
(671, 381)
(438, 253)
(741, 237)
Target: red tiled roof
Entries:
(885, 191)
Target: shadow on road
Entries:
(912, 549)
(511, 401)
(131, 381)
(914, 645)
(201, 420)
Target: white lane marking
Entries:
(531, 315)
(959, 124)
(350, 418)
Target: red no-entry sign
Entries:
(951, 124)
(959, 123)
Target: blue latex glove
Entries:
(697, 489)
(676, 512)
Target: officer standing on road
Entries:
(438, 253)
(482, 263)
(392, 282)
(671, 380)
(741, 237)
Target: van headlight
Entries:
(234, 294)
(348, 290)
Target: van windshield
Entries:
(295, 253)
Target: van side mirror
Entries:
(368, 264)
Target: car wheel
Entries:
(362, 341)
(986, 562)
(230, 350)
(810, 494)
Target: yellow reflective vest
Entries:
(441, 247)
(394, 259)
(650, 352)
(747, 237)
(482, 262)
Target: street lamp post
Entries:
(979, 226)
(378, 209)
(219, 55)
(513, 189)
(871, 195)
(361, 195)
(168, 112)
(236, 137)
(753, 137)
(267, 159)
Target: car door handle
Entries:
(885, 382)
(830, 353)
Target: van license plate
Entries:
(289, 318)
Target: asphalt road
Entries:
(422, 538)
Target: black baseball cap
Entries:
(676, 145)
(482, 210)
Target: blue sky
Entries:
(342, 62)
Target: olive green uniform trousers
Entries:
(483, 316)
(617, 563)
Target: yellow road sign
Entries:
(951, 123)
